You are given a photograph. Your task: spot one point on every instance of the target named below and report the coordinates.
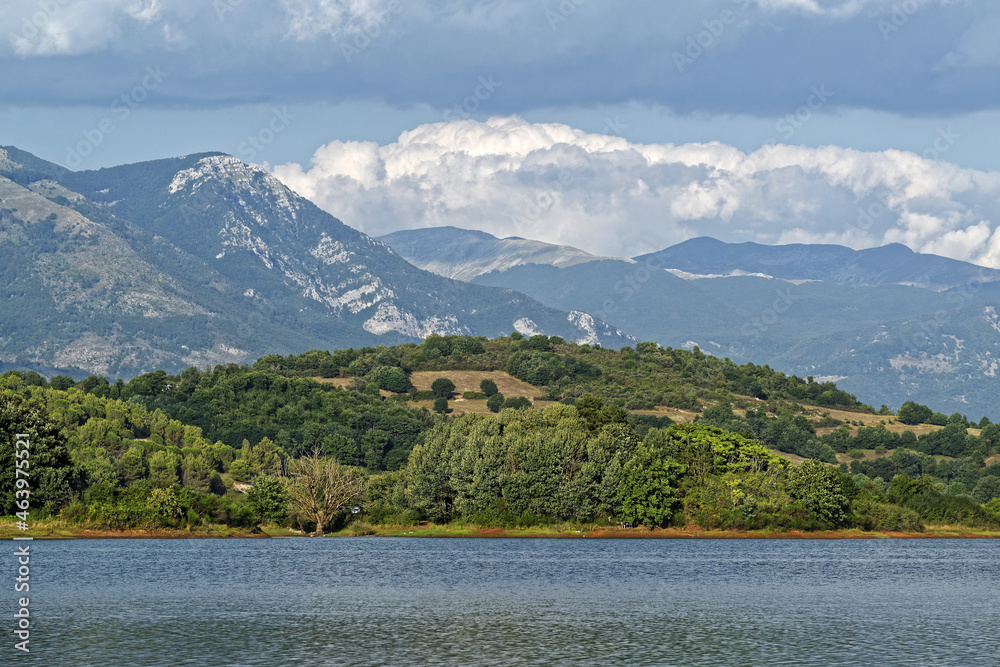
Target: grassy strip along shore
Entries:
(55, 529)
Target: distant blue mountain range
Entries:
(886, 323)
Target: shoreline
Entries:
(462, 531)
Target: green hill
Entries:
(586, 434)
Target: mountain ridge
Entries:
(891, 324)
(224, 264)
(893, 263)
(463, 254)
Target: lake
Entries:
(420, 601)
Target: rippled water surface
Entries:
(398, 601)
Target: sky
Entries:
(619, 128)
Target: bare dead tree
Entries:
(322, 488)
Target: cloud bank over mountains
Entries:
(600, 193)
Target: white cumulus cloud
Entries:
(603, 194)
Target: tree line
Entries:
(222, 445)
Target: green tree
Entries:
(488, 387)
(908, 440)
(197, 474)
(163, 504)
(938, 419)
(163, 466)
(597, 414)
(441, 404)
(913, 413)
(987, 489)
(269, 500)
(442, 387)
(647, 491)
(264, 458)
(132, 465)
(825, 491)
(241, 470)
(429, 485)
(991, 435)
(516, 403)
(61, 382)
(50, 471)
(390, 378)
(495, 402)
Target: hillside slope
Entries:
(204, 259)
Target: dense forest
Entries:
(241, 446)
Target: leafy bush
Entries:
(824, 491)
(268, 498)
(647, 492)
(390, 378)
(495, 402)
(913, 413)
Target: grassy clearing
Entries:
(58, 529)
(511, 387)
(676, 414)
(464, 381)
(469, 381)
(794, 458)
(347, 382)
(890, 422)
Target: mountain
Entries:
(204, 259)
(893, 264)
(885, 342)
(463, 254)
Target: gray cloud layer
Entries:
(746, 56)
